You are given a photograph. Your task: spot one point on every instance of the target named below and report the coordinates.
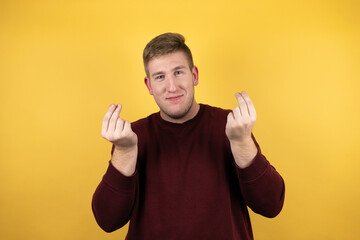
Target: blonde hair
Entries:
(164, 44)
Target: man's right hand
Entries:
(118, 131)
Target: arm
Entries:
(118, 131)
(114, 198)
(261, 185)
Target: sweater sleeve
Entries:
(262, 186)
(114, 199)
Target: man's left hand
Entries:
(241, 120)
(240, 123)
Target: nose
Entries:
(172, 87)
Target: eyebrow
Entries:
(174, 69)
(179, 67)
(157, 73)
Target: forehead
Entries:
(167, 62)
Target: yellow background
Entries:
(63, 62)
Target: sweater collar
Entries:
(189, 122)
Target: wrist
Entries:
(125, 150)
(244, 142)
(244, 152)
(124, 160)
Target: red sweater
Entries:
(187, 184)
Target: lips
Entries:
(174, 98)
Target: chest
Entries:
(185, 160)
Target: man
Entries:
(189, 171)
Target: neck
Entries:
(194, 109)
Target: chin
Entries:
(176, 115)
(177, 111)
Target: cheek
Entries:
(158, 88)
(189, 85)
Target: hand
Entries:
(117, 130)
(241, 120)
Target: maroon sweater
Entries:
(187, 184)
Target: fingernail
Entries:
(111, 105)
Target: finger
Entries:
(106, 119)
(237, 113)
(242, 104)
(114, 118)
(119, 126)
(127, 127)
(230, 116)
(249, 104)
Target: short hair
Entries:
(165, 44)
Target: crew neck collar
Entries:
(188, 122)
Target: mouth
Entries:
(174, 98)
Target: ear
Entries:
(195, 73)
(148, 85)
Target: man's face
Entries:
(171, 82)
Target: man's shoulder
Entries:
(142, 122)
(215, 111)
(214, 116)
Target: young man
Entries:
(189, 171)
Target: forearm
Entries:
(262, 187)
(125, 160)
(113, 199)
(243, 152)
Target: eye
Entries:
(159, 77)
(178, 72)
